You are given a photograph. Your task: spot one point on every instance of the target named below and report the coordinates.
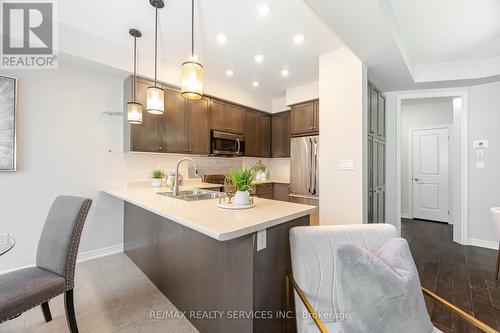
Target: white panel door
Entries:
(431, 193)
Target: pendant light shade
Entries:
(192, 71)
(192, 80)
(155, 103)
(134, 113)
(134, 109)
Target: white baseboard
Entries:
(5, 271)
(93, 254)
(83, 256)
(483, 243)
(406, 216)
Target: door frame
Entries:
(460, 166)
(410, 166)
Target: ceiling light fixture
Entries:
(229, 72)
(255, 83)
(192, 70)
(263, 9)
(258, 58)
(134, 109)
(285, 73)
(221, 38)
(155, 103)
(298, 39)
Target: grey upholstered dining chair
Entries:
(53, 275)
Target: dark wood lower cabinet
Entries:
(198, 273)
(281, 191)
(264, 191)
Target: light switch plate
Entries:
(480, 164)
(261, 240)
(347, 165)
(480, 153)
(481, 143)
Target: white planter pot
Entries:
(242, 198)
(156, 182)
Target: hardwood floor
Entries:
(464, 275)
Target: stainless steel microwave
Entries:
(227, 144)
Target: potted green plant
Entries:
(157, 177)
(242, 179)
(260, 171)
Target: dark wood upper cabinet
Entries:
(198, 137)
(185, 125)
(251, 123)
(174, 125)
(305, 118)
(235, 118)
(226, 117)
(218, 115)
(257, 131)
(264, 135)
(281, 134)
(145, 137)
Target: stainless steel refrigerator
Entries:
(304, 172)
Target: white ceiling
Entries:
(449, 30)
(410, 44)
(248, 34)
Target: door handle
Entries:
(239, 146)
(416, 179)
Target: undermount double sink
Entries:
(193, 195)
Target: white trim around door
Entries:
(459, 166)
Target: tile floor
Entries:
(111, 295)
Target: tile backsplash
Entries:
(214, 165)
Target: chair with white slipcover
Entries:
(312, 251)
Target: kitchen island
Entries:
(224, 269)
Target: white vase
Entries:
(156, 182)
(241, 198)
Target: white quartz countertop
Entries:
(205, 217)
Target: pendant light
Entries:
(192, 71)
(154, 94)
(134, 109)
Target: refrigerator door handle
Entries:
(311, 168)
(315, 170)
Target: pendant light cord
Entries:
(192, 30)
(156, 42)
(135, 68)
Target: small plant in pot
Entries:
(260, 171)
(242, 179)
(157, 177)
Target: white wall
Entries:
(483, 190)
(67, 146)
(484, 184)
(305, 92)
(342, 91)
(418, 113)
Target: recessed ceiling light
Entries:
(298, 39)
(255, 83)
(221, 38)
(229, 72)
(263, 9)
(285, 73)
(258, 58)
